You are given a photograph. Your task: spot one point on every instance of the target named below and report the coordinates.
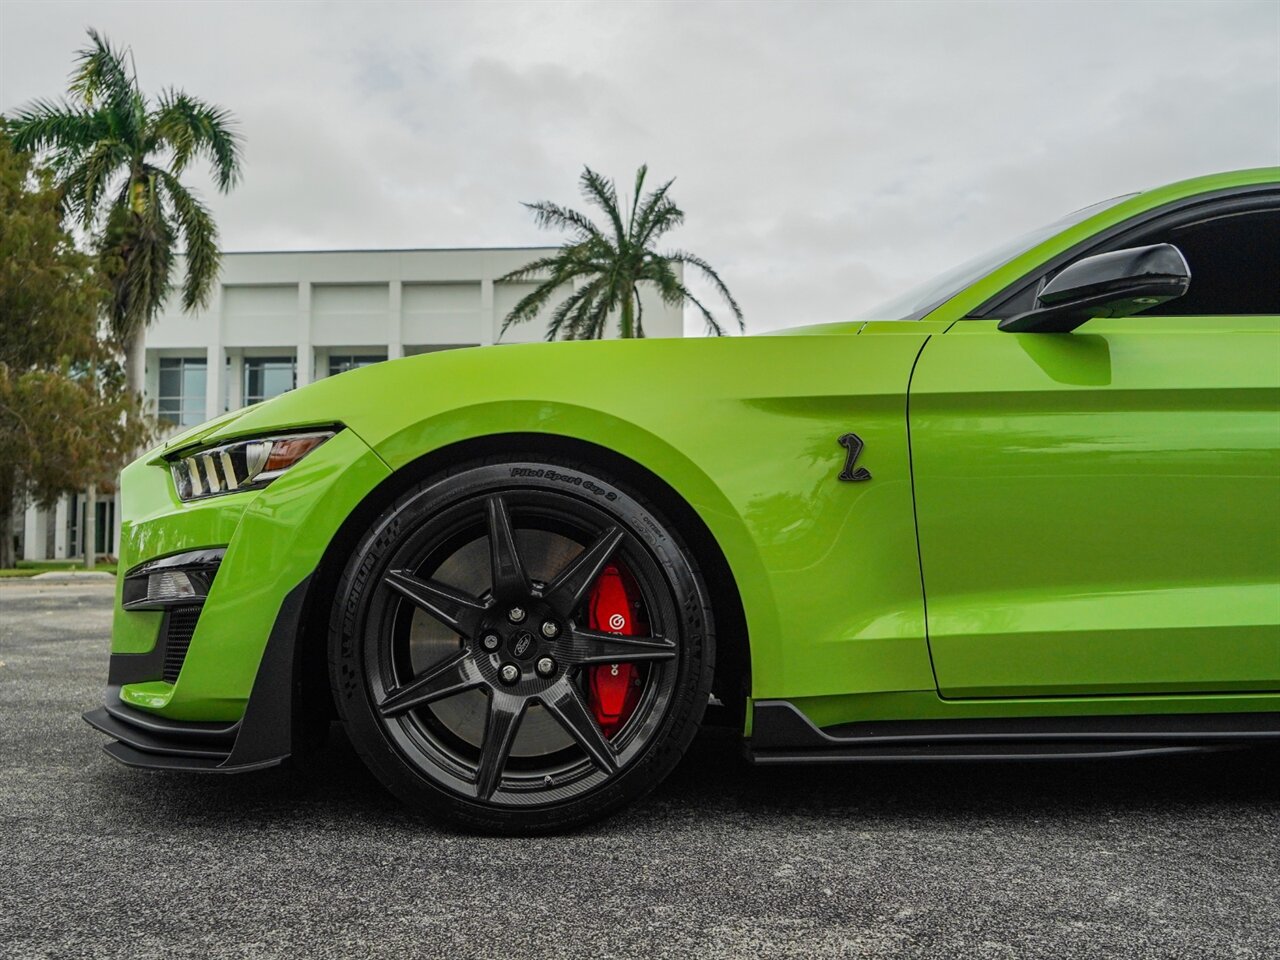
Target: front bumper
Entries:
(228, 701)
(262, 737)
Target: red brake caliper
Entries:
(613, 608)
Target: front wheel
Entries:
(521, 646)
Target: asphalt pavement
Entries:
(1155, 858)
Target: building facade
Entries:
(277, 321)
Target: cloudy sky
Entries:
(826, 154)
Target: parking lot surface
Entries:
(1157, 858)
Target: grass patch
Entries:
(29, 568)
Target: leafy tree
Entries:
(118, 158)
(607, 265)
(66, 420)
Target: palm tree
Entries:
(606, 266)
(119, 157)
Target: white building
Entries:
(280, 320)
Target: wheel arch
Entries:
(732, 669)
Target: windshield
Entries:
(917, 302)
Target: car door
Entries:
(1098, 512)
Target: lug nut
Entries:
(545, 667)
(515, 614)
(550, 629)
(509, 673)
(490, 642)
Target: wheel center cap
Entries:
(523, 645)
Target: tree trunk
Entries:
(135, 361)
(90, 526)
(627, 323)
(7, 558)
(135, 374)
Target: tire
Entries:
(489, 566)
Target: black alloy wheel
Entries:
(462, 647)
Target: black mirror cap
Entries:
(1116, 284)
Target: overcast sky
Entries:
(826, 155)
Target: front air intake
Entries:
(179, 626)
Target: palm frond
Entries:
(673, 291)
(192, 128)
(101, 73)
(569, 264)
(561, 313)
(528, 306)
(713, 327)
(56, 124)
(636, 190)
(136, 254)
(648, 207)
(532, 268)
(570, 260)
(578, 313)
(665, 216)
(552, 216)
(84, 185)
(101, 78)
(602, 192)
(200, 234)
(683, 256)
(660, 272)
(598, 319)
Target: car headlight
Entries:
(241, 464)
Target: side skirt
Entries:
(781, 734)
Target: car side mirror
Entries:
(1116, 284)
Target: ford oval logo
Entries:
(523, 644)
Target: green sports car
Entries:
(1030, 510)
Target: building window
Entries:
(267, 377)
(182, 388)
(341, 363)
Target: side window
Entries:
(1234, 258)
(1235, 266)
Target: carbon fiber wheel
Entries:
(521, 646)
